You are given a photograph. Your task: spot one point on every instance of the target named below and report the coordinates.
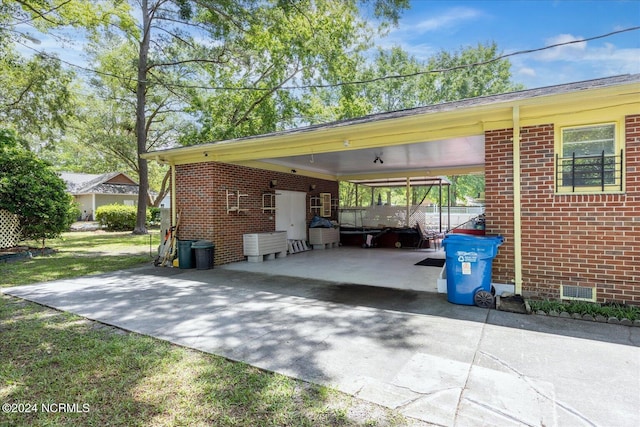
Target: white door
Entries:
(291, 213)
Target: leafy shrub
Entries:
(620, 311)
(155, 214)
(118, 217)
(31, 189)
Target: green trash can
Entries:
(204, 254)
(186, 254)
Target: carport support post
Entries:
(173, 193)
(517, 213)
(448, 207)
(408, 201)
(440, 206)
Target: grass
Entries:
(580, 307)
(80, 254)
(111, 377)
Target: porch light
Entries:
(273, 183)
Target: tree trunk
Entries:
(164, 190)
(453, 190)
(141, 120)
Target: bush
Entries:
(155, 214)
(620, 311)
(31, 189)
(118, 217)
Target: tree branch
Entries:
(21, 97)
(186, 61)
(40, 14)
(265, 95)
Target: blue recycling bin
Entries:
(469, 261)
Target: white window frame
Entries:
(617, 187)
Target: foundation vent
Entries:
(579, 293)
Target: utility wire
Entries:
(355, 82)
(463, 66)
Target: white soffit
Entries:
(442, 154)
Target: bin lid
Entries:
(466, 239)
(202, 244)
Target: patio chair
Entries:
(433, 239)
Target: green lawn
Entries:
(104, 376)
(80, 254)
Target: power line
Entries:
(463, 66)
(354, 82)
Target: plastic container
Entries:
(204, 254)
(468, 267)
(186, 254)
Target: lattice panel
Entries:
(9, 229)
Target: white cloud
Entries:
(566, 52)
(583, 62)
(407, 34)
(449, 19)
(605, 57)
(526, 71)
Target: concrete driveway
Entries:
(413, 351)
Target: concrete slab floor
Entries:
(413, 351)
(385, 267)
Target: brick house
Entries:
(566, 198)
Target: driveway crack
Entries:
(537, 390)
(473, 361)
(499, 412)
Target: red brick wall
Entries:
(498, 172)
(579, 240)
(201, 198)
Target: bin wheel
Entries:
(483, 299)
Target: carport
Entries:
(403, 148)
(381, 151)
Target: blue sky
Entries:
(435, 25)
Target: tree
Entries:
(30, 189)
(470, 73)
(171, 52)
(36, 99)
(395, 80)
(302, 44)
(395, 93)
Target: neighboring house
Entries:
(92, 191)
(566, 195)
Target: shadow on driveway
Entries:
(439, 362)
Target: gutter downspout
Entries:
(173, 194)
(517, 199)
